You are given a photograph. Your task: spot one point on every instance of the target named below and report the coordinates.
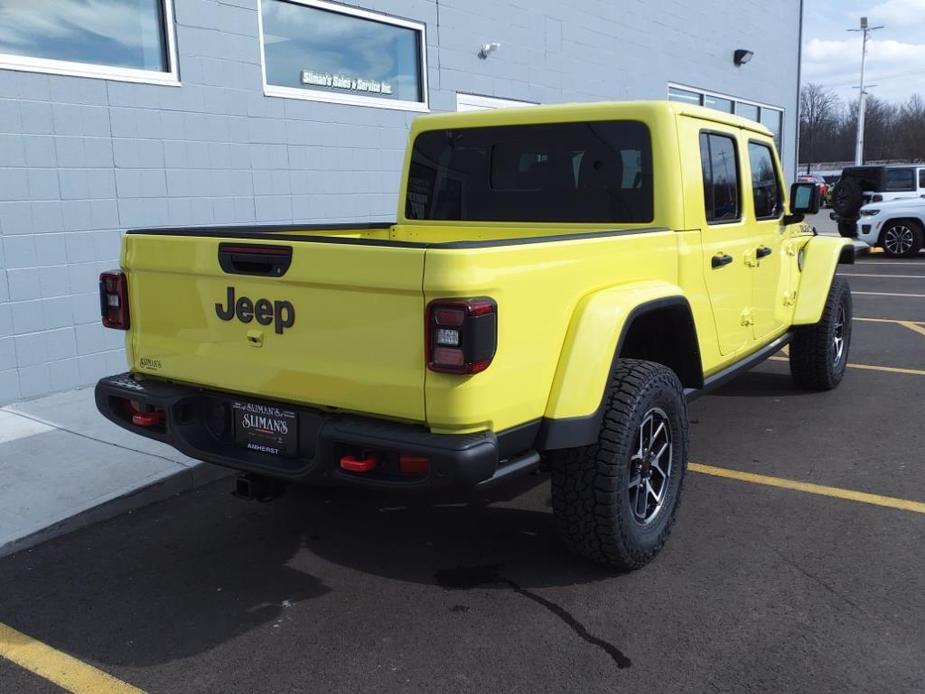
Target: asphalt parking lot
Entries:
(762, 587)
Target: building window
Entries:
(326, 52)
(113, 39)
(749, 111)
(718, 103)
(770, 117)
(720, 163)
(685, 95)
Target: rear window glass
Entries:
(561, 172)
(900, 179)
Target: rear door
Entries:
(340, 326)
(764, 214)
(726, 237)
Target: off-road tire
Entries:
(814, 362)
(591, 484)
(905, 231)
(848, 230)
(847, 197)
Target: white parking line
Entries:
(888, 263)
(901, 277)
(14, 427)
(913, 296)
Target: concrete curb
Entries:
(182, 481)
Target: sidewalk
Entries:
(63, 466)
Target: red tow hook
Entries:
(142, 418)
(148, 419)
(351, 463)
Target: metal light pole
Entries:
(862, 99)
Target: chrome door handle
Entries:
(720, 259)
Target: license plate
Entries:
(266, 429)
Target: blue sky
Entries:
(896, 53)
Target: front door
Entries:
(727, 238)
(764, 213)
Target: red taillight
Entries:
(410, 464)
(461, 335)
(877, 198)
(114, 300)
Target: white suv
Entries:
(897, 226)
(860, 185)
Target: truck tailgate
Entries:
(342, 326)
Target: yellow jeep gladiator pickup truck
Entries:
(559, 282)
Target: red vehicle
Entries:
(819, 181)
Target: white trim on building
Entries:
(475, 102)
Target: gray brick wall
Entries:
(83, 159)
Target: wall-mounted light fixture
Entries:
(487, 49)
(741, 56)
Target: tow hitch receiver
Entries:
(258, 487)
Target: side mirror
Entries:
(804, 198)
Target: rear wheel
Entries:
(615, 500)
(819, 353)
(901, 239)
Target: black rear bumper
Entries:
(198, 423)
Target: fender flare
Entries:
(820, 258)
(592, 345)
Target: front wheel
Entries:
(819, 353)
(615, 500)
(901, 239)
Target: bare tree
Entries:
(819, 108)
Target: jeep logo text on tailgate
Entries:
(280, 313)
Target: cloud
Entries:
(907, 14)
(896, 53)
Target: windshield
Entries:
(561, 172)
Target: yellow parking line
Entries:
(810, 488)
(871, 367)
(913, 326)
(914, 296)
(59, 668)
(889, 320)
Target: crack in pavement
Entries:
(469, 577)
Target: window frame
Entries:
(273, 90)
(738, 168)
(70, 68)
(777, 178)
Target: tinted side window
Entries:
(720, 164)
(766, 189)
(556, 172)
(900, 179)
(921, 178)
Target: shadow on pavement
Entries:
(761, 384)
(186, 575)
